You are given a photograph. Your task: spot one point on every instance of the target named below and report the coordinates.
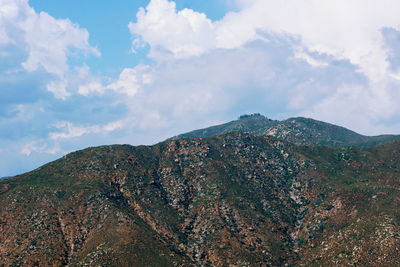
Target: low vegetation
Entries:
(235, 199)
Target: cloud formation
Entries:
(71, 131)
(170, 33)
(348, 30)
(354, 38)
(41, 42)
(131, 80)
(39, 87)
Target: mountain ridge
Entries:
(298, 130)
(235, 199)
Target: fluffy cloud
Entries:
(354, 40)
(71, 131)
(56, 144)
(58, 88)
(180, 34)
(65, 137)
(39, 87)
(344, 29)
(188, 93)
(131, 80)
(40, 42)
(91, 87)
(31, 147)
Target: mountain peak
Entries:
(298, 130)
(251, 116)
(255, 124)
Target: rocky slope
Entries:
(232, 200)
(296, 130)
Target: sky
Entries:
(75, 74)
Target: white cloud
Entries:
(58, 88)
(344, 37)
(91, 87)
(86, 83)
(265, 77)
(72, 131)
(345, 29)
(48, 42)
(131, 80)
(181, 34)
(300, 54)
(28, 149)
(357, 108)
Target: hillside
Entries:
(296, 130)
(235, 199)
(255, 124)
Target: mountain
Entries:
(255, 124)
(235, 199)
(296, 130)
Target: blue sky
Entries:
(107, 25)
(75, 73)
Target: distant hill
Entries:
(255, 124)
(296, 130)
(235, 199)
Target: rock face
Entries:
(231, 200)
